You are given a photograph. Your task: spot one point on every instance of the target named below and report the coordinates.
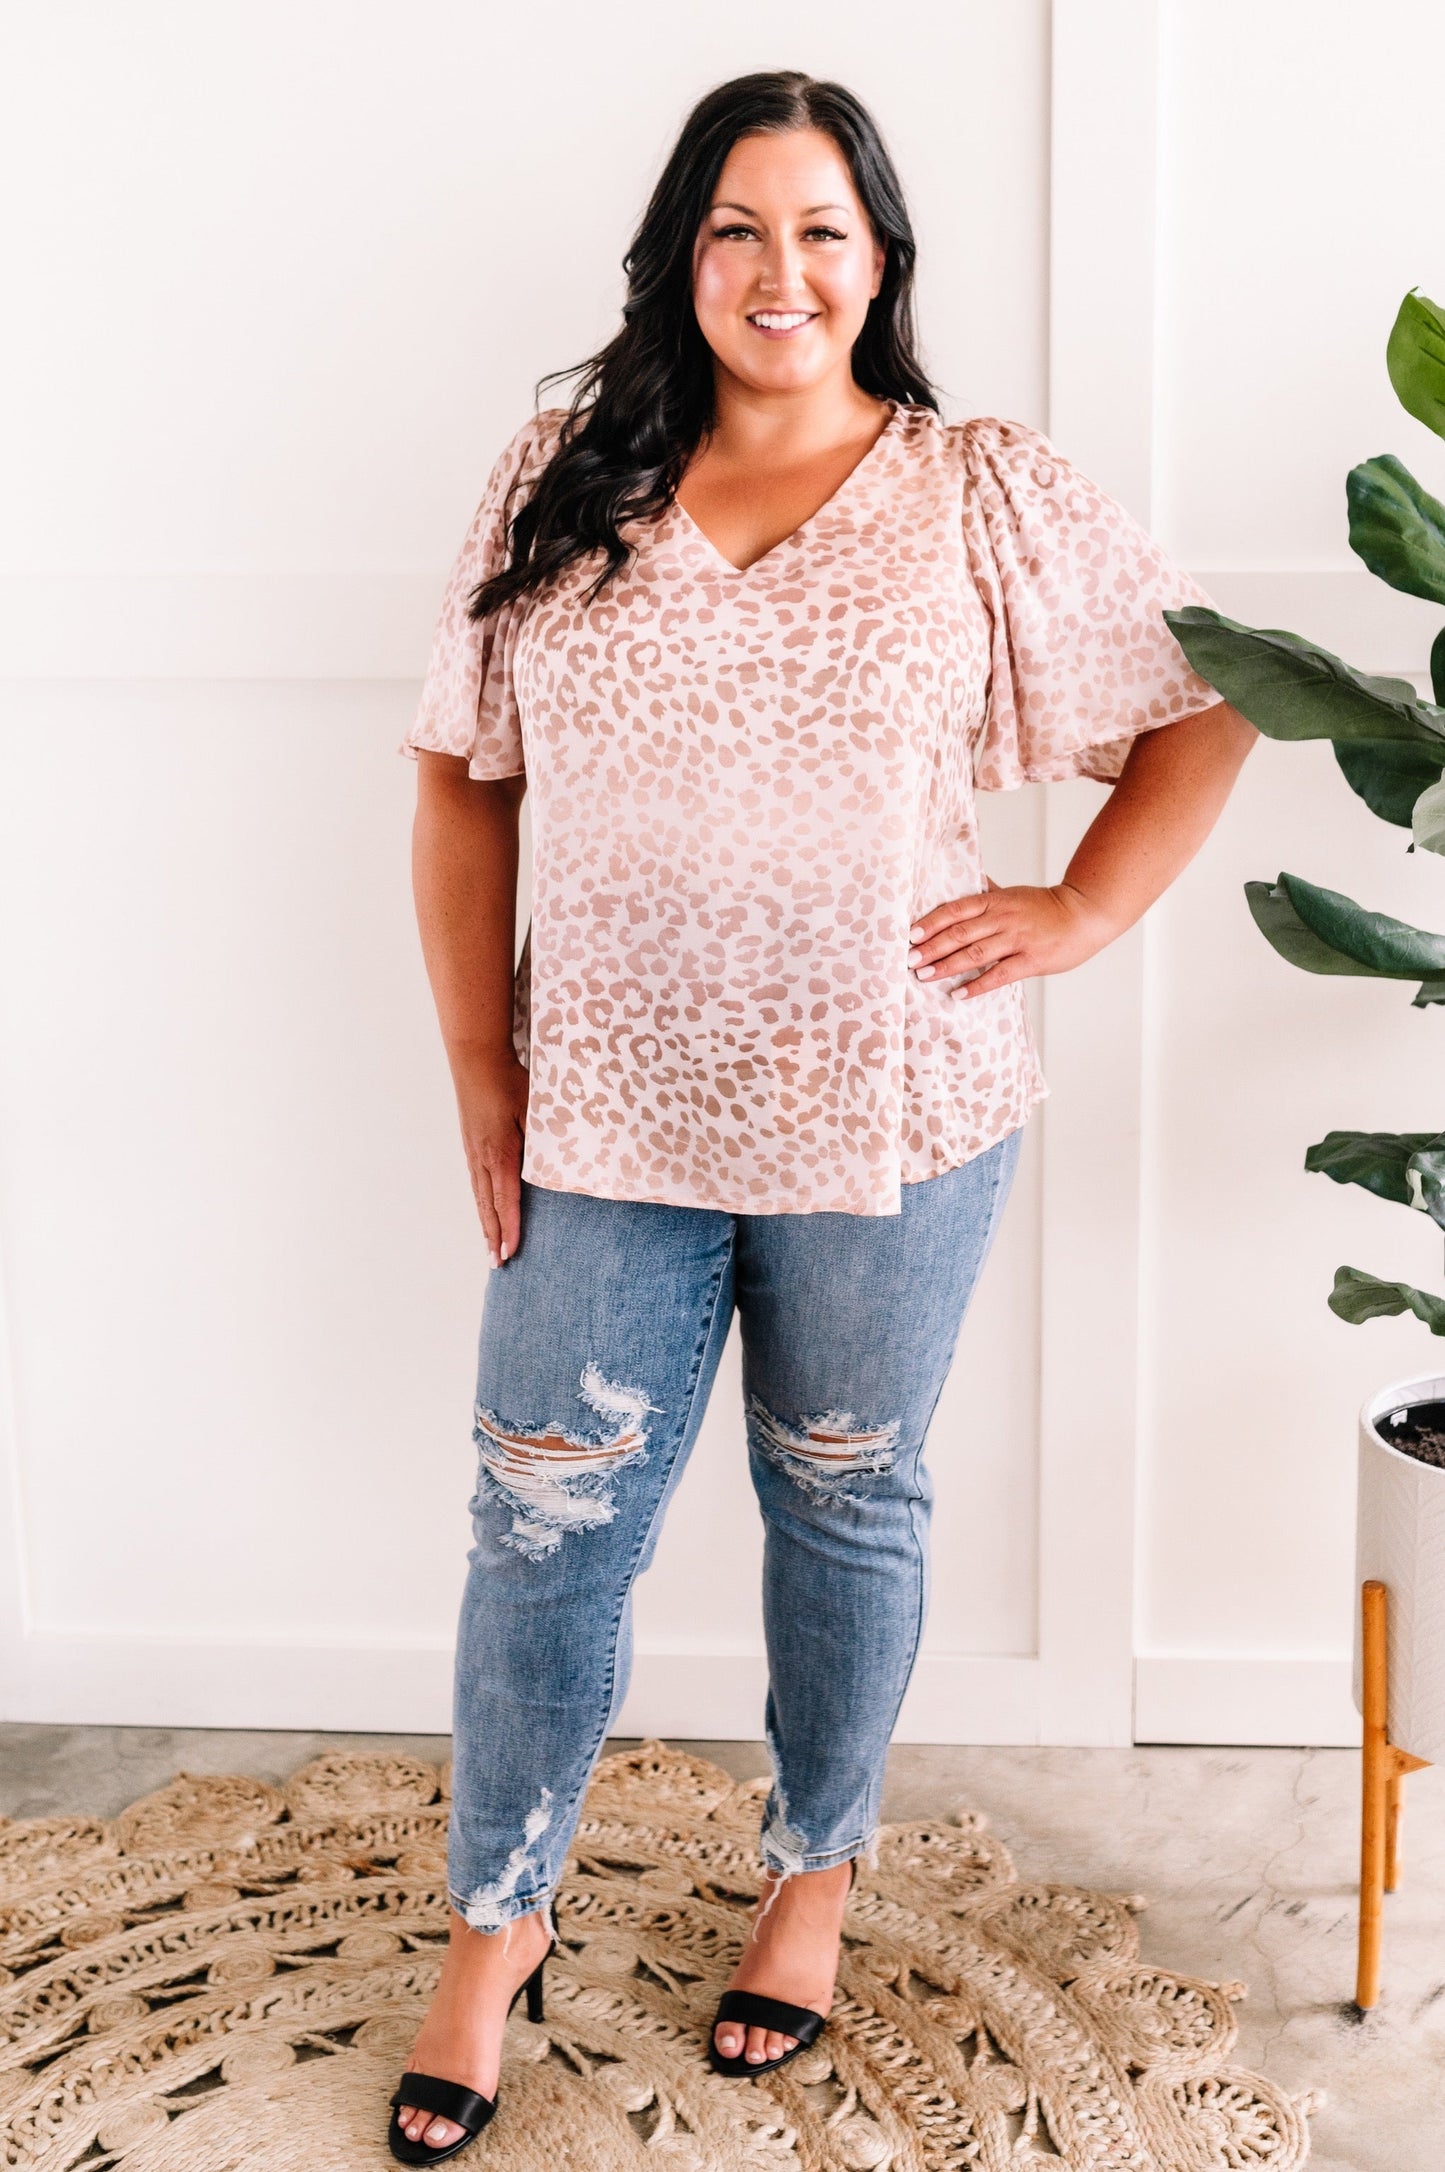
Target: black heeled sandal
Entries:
(465, 2107)
(754, 2010)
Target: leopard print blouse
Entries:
(746, 785)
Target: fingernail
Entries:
(491, 1255)
(915, 935)
(504, 1251)
(925, 972)
(914, 956)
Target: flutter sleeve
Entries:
(468, 701)
(1081, 661)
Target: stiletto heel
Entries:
(466, 2108)
(533, 1988)
(753, 2009)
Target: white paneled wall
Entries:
(1294, 212)
(285, 288)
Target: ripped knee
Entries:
(555, 1479)
(823, 1453)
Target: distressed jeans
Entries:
(599, 1344)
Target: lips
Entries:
(781, 323)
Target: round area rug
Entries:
(229, 1976)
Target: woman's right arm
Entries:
(464, 879)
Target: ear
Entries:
(880, 258)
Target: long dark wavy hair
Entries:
(647, 398)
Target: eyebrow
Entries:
(807, 213)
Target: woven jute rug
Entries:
(230, 1975)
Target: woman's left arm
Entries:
(1166, 801)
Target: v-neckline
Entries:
(741, 573)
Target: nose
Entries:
(781, 274)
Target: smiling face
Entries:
(785, 262)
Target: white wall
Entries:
(286, 285)
(1296, 210)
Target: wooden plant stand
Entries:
(1383, 1769)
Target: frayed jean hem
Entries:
(823, 1859)
(499, 1913)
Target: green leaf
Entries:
(1437, 665)
(1407, 1167)
(1415, 358)
(1428, 820)
(1290, 689)
(1431, 991)
(1425, 1174)
(1380, 944)
(1281, 926)
(1397, 527)
(1322, 931)
(1389, 774)
(1358, 1297)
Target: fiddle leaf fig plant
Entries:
(1415, 358)
(1389, 744)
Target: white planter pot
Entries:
(1400, 1538)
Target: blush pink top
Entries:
(746, 785)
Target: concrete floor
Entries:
(1248, 1859)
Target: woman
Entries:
(752, 624)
